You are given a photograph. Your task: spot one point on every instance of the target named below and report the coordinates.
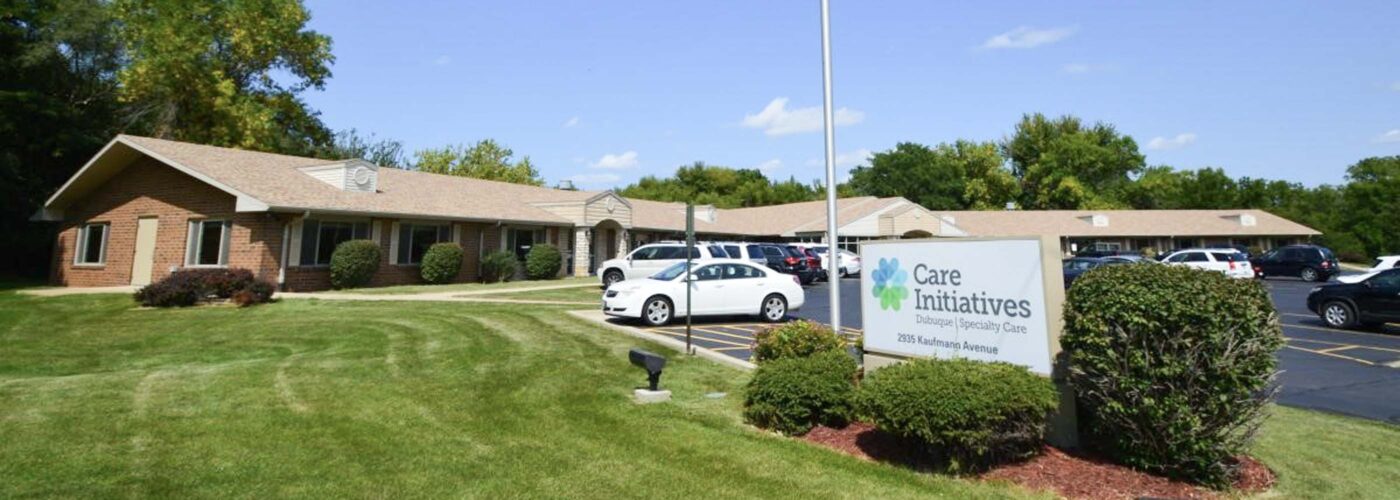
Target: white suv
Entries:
(1231, 262)
(647, 260)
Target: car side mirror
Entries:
(692, 277)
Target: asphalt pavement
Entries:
(1349, 372)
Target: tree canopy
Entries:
(1063, 164)
(486, 159)
(722, 187)
(957, 176)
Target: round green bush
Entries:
(353, 263)
(800, 338)
(792, 395)
(1171, 366)
(543, 262)
(498, 266)
(441, 263)
(969, 413)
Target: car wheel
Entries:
(774, 308)
(1338, 314)
(1308, 274)
(612, 277)
(657, 311)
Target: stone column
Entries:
(622, 241)
(582, 251)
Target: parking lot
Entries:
(1342, 371)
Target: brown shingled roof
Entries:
(1124, 223)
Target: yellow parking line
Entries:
(727, 334)
(1335, 349)
(727, 349)
(1338, 356)
(1334, 330)
(707, 339)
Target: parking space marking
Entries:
(725, 349)
(1334, 330)
(1338, 356)
(727, 334)
(1335, 349)
(706, 339)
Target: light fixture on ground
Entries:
(653, 363)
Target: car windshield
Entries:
(669, 273)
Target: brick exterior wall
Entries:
(148, 188)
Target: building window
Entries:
(319, 239)
(520, 241)
(208, 243)
(414, 240)
(92, 245)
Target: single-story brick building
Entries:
(143, 208)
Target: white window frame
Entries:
(408, 226)
(80, 251)
(321, 221)
(194, 242)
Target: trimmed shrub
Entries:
(1172, 366)
(257, 292)
(441, 263)
(353, 263)
(970, 414)
(179, 289)
(543, 262)
(792, 395)
(498, 266)
(796, 339)
(188, 287)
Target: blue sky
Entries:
(605, 92)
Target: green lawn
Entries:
(478, 287)
(590, 295)
(338, 399)
(373, 399)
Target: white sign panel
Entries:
(981, 300)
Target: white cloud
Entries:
(776, 119)
(1390, 136)
(594, 179)
(616, 161)
(1169, 143)
(1026, 37)
(1395, 86)
(442, 60)
(768, 166)
(571, 123)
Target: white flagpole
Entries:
(833, 269)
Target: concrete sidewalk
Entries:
(425, 297)
(62, 291)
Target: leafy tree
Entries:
(723, 187)
(350, 144)
(223, 72)
(1063, 164)
(58, 61)
(954, 176)
(484, 160)
(1372, 203)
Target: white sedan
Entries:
(716, 288)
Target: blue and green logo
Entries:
(889, 284)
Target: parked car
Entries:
(1128, 259)
(814, 261)
(1309, 262)
(1385, 262)
(648, 259)
(1244, 249)
(1090, 252)
(846, 261)
(1228, 261)
(1076, 266)
(716, 288)
(778, 258)
(1370, 303)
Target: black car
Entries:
(1074, 267)
(1309, 262)
(779, 258)
(1371, 302)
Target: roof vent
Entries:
(1099, 220)
(948, 218)
(350, 175)
(1248, 220)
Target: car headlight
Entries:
(621, 293)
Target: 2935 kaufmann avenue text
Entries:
(983, 300)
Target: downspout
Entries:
(286, 249)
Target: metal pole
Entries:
(833, 268)
(689, 249)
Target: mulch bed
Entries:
(1074, 475)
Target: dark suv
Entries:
(788, 261)
(1371, 302)
(1310, 262)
